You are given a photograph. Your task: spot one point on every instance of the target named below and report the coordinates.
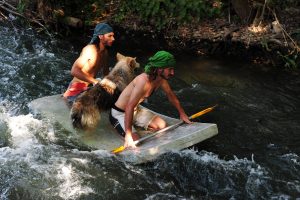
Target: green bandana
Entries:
(100, 29)
(162, 59)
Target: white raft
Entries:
(106, 138)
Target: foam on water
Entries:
(168, 196)
(293, 157)
(26, 149)
(71, 185)
(20, 131)
(236, 178)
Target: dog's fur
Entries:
(85, 111)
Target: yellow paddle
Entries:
(198, 114)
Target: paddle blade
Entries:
(202, 112)
(118, 150)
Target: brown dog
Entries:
(85, 111)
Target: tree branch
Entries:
(13, 11)
(285, 33)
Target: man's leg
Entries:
(148, 120)
(116, 119)
(157, 123)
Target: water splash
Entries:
(211, 176)
(71, 185)
(28, 58)
(27, 158)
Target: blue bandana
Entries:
(100, 29)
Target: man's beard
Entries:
(163, 76)
(106, 44)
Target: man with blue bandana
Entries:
(93, 58)
(126, 112)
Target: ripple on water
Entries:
(202, 174)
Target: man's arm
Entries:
(81, 66)
(136, 95)
(174, 101)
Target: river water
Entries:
(254, 156)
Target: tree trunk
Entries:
(242, 8)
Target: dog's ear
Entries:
(119, 56)
(132, 63)
(129, 61)
(137, 65)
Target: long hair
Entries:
(153, 73)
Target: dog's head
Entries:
(131, 62)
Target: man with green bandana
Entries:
(92, 59)
(126, 111)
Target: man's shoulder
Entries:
(89, 47)
(89, 51)
(142, 78)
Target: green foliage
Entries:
(162, 13)
(290, 60)
(264, 44)
(22, 5)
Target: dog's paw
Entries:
(108, 85)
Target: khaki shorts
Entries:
(142, 118)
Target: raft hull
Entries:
(104, 137)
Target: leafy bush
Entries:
(162, 13)
(290, 60)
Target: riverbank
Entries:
(217, 37)
(272, 42)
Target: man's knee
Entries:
(158, 123)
